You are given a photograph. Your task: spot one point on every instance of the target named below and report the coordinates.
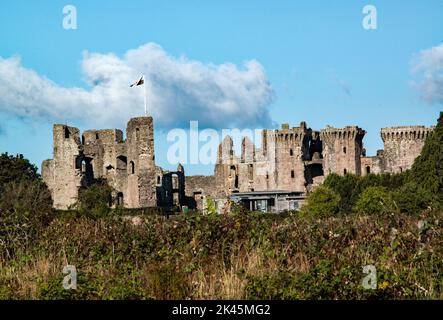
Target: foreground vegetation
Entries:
(394, 222)
(238, 256)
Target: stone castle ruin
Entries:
(128, 166)
(275, 177)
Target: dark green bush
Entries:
(25, 208)
(410, 199)
(322, 202)
(427, 170)
(346, 187)
(95, 201)
(374, 200)
(16, 169)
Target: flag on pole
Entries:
(138, 82)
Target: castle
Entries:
(275, 177)
(128, 166)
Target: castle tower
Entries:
(291, 149)
(402, 145)
(226, 169)
(247, 166)
(107, 151)
(140, 163)
(342, 150)
(65, 173)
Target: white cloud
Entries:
(178, 90)
(428, 65)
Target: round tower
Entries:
(342, 149)
(402, 145)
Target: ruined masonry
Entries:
(128, 166)
(275, 177)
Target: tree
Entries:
(25, 206)
(16, 169)
(374, 200)
(322, 202)
(346, 187)
(94, 201)
(25, 203)
(427, 170)
(410, 199)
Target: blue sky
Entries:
(322, 65)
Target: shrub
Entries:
(345, 187)
(374, 200)
(323, 202)
(210, 204)
(25, 207)
(16, 169)
(410, 199)
(95, 200)
(281, 286)
(427, 170)
(387, 180)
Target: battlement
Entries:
(139, 121)
(105, 136)
(405, 133)
(348, 132)
(62, 132)
(291, 134)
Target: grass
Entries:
(239, 256)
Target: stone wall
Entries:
(298, 159)
(291, 149)
(293, 159)
(342, 149)
(63, 173)
(127, 165)
(200, 187)
(402, 145)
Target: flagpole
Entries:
(144, 95)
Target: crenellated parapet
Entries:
(294, 134)
(342, 149)
(330, 134)
(402, 145)
(405, 132)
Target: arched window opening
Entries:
(368, 169)
(344, 150)
(292, 174)
(83, 167)
(345, 171)
(67, 133)
(291, 152)
(174, 181)
(132, 167)
(120, 199)
(232, 171)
